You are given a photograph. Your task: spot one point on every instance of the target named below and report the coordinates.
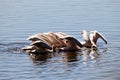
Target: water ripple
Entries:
(12, 47)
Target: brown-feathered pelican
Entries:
(50, 39)
(41, 44)
(46, 38)
(54, 40)
(34, 37)
(91, 40)
(61, 34)
(72, 44)
(35, 49)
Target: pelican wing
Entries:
(41, 44)
(34, 37)
(65, 37)
(101, 36)
(28, 48)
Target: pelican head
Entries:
(94, 36)
(85, 35)
(72, 44)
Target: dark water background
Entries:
(22, 18)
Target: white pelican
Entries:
(86, 42)
(91, 40)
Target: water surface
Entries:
(22, 18)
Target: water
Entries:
(22, 18)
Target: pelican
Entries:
(94, 36)
(29, 48)
(48, 39)
(72, 44)
(35, 49)
(86, 42)
(91, 40)
(41, 44)
(44, 37)
(50, 42)
(61, 34)
(54, 40)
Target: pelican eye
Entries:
(66, 41)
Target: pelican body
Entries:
(52, 42)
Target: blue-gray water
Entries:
(22, 18)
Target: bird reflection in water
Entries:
(67, 56)
(39, 58)
(64, 55)
(90, 54)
